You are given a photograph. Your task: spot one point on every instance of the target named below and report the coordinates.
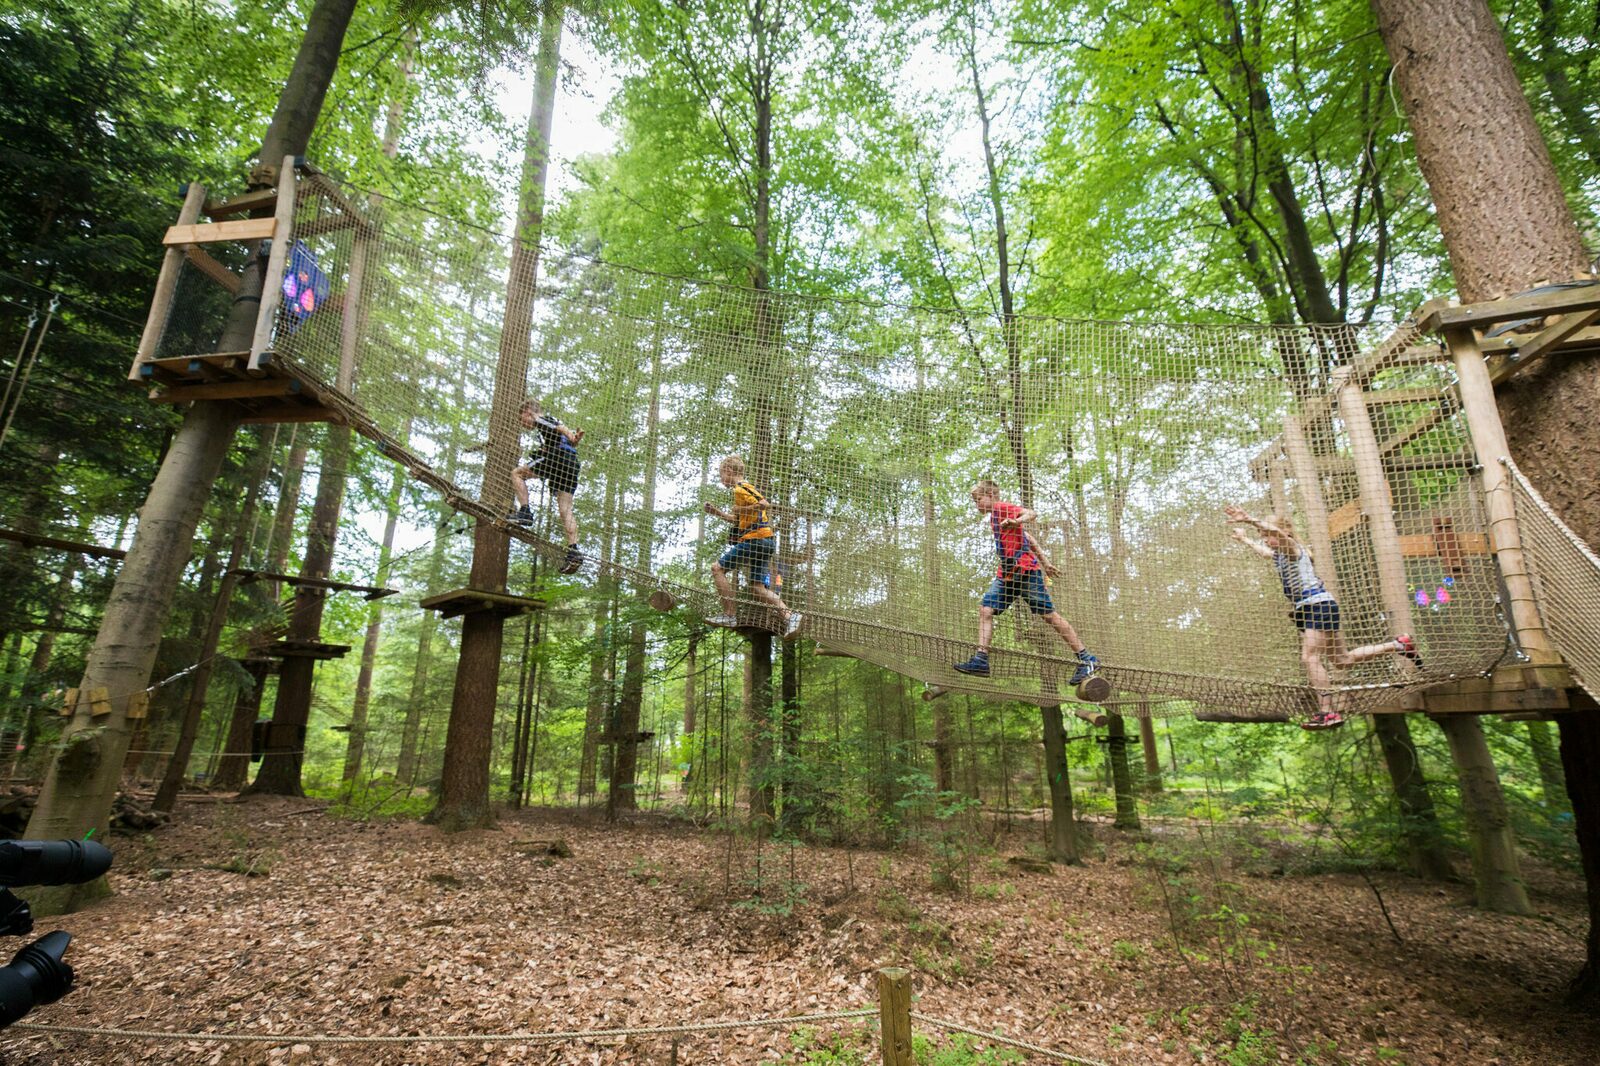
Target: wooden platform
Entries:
(470, 601)
(305, 649)
(275, 391)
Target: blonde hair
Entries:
(986, 487)
(734, 463)
(1284, 523)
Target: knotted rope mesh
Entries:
(1567, 581)
(866, 425)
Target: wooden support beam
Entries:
(34, 540)
(230, 390)
(1392, 463)
(212, 269)
(1489, 441)
(1510, 308)
(894, 1016)
(1344, 519)
(1519, 356)
(306, 649)
(238, 205)
(1382, 397)
(155, 323)
(1411, 431)
(371, 592)
(239, 229)
(277, 260)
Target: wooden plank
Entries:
(239, 229)
(229, 390)
(212, 269)
(69, 703)
(1379, 397)
(1344, 519)
(1339, 464)
(99, 700)
(155, 323)
(138, 706)
(277, 260)
(371, 592)
(34, 540)
(1412, 431)
(1517, 357)
(260, 199)
(1423, 545)
(465, 601)
(1489, 312)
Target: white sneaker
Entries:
(792, 630)
(726, 621)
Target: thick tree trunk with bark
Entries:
(1152, 757)
(81, 783)
(1496, 872)
(1507, 227)
(464, 785)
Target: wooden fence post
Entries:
(894, 1013)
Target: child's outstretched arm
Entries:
(1250, 542)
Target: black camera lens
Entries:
(52, 862)
(35, 977)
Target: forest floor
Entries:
(272, 915)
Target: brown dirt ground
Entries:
(392, 928)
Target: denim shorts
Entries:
(752, 556)
(1321, 615)
(1026, 585)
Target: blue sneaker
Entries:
(1087, 665)
(977, 666)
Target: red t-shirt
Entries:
(1010, 544)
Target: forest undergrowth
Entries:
(1188, 943)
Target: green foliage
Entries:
(858, 1047)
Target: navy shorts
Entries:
(1026, 585)
(558, 468)
(752, 556)
(1322, 615)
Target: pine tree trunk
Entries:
(599, 692)
(1507, 226)
(759, 709)
(464, 785)
(355, 749)
(1496, 873)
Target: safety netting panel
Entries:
(1566, 581)
(866, 426)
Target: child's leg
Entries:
(568, 521)
(1364, 654)
(519, 484)
(1064, 627)
(1313, 643)
(985, 628)
(719, 576)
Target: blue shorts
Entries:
(1027, 585)
(1322, 615)
(752, 556)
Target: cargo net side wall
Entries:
(866, 425)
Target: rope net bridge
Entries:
(865, 426)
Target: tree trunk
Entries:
(1063, 833)
(1419, 824)
(1548, 760)
(177, 766)
(464, 786)
(1121, 774)
(82, 780)
(599, 692)
(285, 754)
(625, 727)
(1152, 757)
(356, 748)
(1496, 873)
(233, 769)
(761, 784)
(281, 533)
(1507, 226)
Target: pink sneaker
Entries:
(1323, 720)
(1408, 648)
